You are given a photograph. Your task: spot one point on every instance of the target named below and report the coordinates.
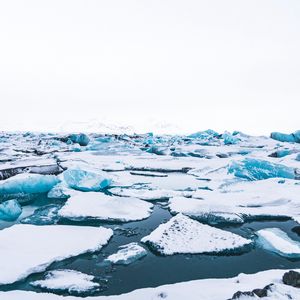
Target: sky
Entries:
(180, 65)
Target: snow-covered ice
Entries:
(99, 206)
(184, 235)
(28, 249)
(127, 254)
(276, 240)
(67, 280)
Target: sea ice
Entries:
(28, 184)
(86, 180)
(127, 254)
(276, 240)
(184, 235)
(150, 174)
(10, 210)
(22, 256)
(282, 137)
(67, 280)
(99, 206)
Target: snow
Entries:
(276, 240)
(147, 194)
(86, 180)
(184, 235)
(10, 210)
(241, 201)
(67, 280)
(127, 254)
(21, 256)
(99, 206)
(27, 184)
(204, 289)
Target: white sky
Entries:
(217, 64)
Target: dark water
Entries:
(154, 270)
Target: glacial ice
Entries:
(86, 180)
(21, 257)
(229, 139)
(241, 201)
(93, 205)
(81, 139)
(10, 210)
(127, 254)
(184, 235)
(207, 134)
(67, 280)
(276, 240)
(256, 169)
(282, 137)
(28, 184)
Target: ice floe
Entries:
(184, 235)
(93, 205)
(20, 256)
(127, 254)
(276, 240)
(27, 184)
(67, 280)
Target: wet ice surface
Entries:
(193, 176)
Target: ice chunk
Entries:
(184, 235)
(106, 208)
(60, 191)
(127, 254)
(282, 137)
(10, 210)
(45, 215)
(21, 256)
(241, 201)
(150, 174)
(67, 280)
(276, 240)
(207, 134)
(28, 184)
(255, 169)
(85, 180)
(81, 139)
(147, 194)
(229, 139)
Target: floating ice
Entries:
(99, 206)
(150, 174)
(45, 215)
(276, 240)
(147, 194)
(282, 137)
(241, 201)
(84, 180)
(255, 169)
(60, 191)
(67, 280)
(28, 184)
(229, 139)
(10, 210)
(127, 254)
(21, 256)
(207, 134)
(184, 235)
(81, 139)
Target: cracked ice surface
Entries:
(184, 235)
(21, 256)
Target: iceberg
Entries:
(230, 139)
(290, 138)
(28, 184)
(10, 210)
(256, 169)
(207, 134)
(67, 280)
(84, 180)
(276, 240)
(184, 235)
(21, 257)
(127, 254)
(81, 139)
(93, 205)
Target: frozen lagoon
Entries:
(128, 167)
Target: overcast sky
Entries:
(220, 64)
